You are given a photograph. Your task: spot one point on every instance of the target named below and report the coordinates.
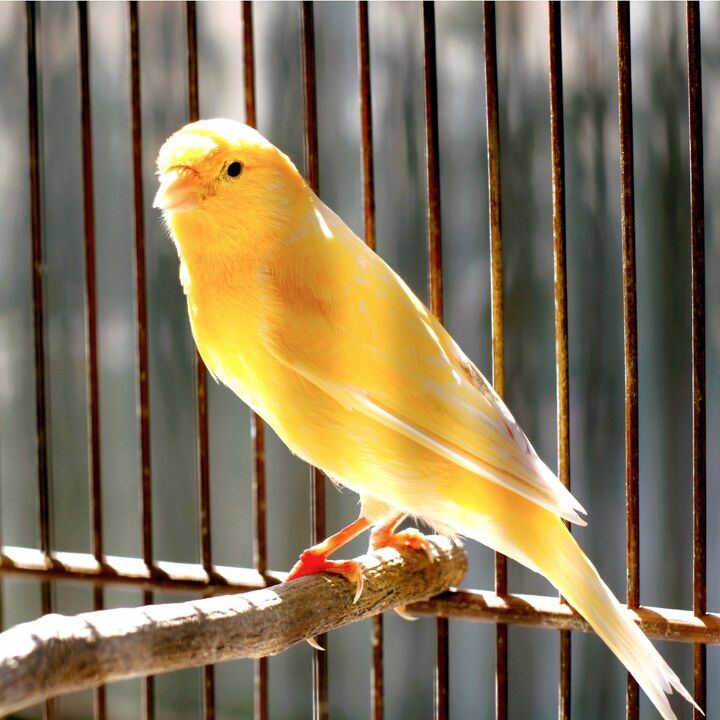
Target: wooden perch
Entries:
(58, 654)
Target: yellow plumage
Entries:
(321, 338)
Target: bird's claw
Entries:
(410, 538)
(311, 563)
(404, 614)
(312, 642)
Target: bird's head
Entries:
(221, 171)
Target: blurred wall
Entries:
(595, 307)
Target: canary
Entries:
(318, 335)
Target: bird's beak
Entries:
(179, 191)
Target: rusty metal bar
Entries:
(317, 479)
(148, 701)
(432, 143)
(38, 305)
(697, 250)
(91, 351)
(627, 192)
(478, 605)
(140, 287)
(90, 289)
(260, 682)
(201, 397)
(310, 94)
(368, 162)
(261, 707)
(320, 657)
(552, 614)
(498, 316)
(557, 136)
(38, 278)
(377, 679)
(435, 286)
(203, 450)
(666, 623)
(131, 571)
(249, 63)
(192, 60)
(496, 250)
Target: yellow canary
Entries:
(293, 312)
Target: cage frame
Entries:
(697, 626)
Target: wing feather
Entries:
(351, 326)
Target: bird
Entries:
(294, 313)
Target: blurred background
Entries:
(659, 66)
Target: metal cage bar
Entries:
(498, 315)
(38, 305)
(697, 251)
(141, 319)
(377, 679)
(201, 397)
(483, 606)
(257, 426)
(557, 142)
(435, 287)
(627, 202)
(317, 479)
(696, 626)
(91, 328)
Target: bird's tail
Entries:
(552, 551)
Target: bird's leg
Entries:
(384, 535)
(315, 559)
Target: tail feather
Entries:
(591, 597)
(555, 554)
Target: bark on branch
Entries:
(58, 654)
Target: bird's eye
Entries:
(234, 169)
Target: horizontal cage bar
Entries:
(479, 605)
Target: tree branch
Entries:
(58, 654)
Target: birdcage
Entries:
(127, 477)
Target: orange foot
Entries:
(315, 559)
(311, 561)
(385, 536)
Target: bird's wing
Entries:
(349, 324)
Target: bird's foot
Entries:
(401, 610)
(385, 536)
(312, 562)
(410, 538)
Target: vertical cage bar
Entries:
(310, 94)
(91, 352)
(249, 63)
(498, 314)
(368, 162)
(192, 60)
(201, 398)
(433, 164)
(627, 193)
(38, 305)
(38, 279)
(377, 679)
(260, 682)
(697, 250)
(435, 285)
(557, 136)
(260, 552)
(141, 320)
(317, 479)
